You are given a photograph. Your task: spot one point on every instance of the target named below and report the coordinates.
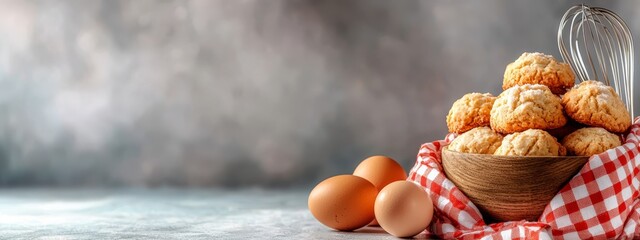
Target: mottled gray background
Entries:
(245, 93)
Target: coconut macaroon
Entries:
(530, 106)
(590, 141)
(470, 111)
(539, 68)
(481, 140)
(595, 104)
(532, 142)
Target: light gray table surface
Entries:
(164, 214)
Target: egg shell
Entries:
(343, 202)
(403, 209)
(380, 171)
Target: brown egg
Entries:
(343, 202)
(403, 209)
(380, 171)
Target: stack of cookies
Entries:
(538, 106)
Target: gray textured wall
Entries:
(243, 93)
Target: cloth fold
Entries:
(601, 201)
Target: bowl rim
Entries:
(446, 148)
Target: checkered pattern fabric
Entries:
(601, 201)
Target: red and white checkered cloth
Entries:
(600, 202)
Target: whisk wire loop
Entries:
(598, 45)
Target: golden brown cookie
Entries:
(530, 106)
(595, 104)
(481, 140)
(470, 111)
(590, 141)
(538, 68)
(532, 142)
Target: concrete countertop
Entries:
(164, 214)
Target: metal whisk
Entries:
(600, 48)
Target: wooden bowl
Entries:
(509, 188)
